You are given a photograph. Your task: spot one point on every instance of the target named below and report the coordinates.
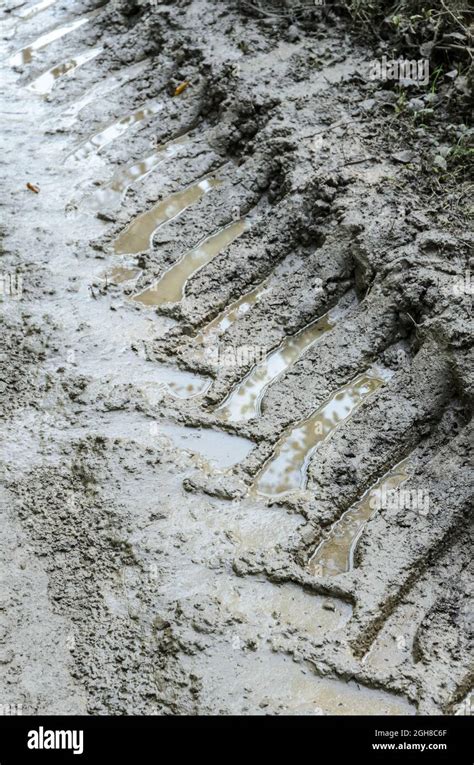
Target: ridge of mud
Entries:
(169, 588)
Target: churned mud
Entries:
(236, 369)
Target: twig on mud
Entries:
(456, 18)
(413, 320)
(331, 127)
(355, 162)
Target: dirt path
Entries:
(237, 239)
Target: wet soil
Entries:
(230, 313)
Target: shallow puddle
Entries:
(242, 679)
(221, 450)
(151, 379)
(286, 469)
(112, 193)
(182, 388)
(137, 236)
(232, 313)
(116, 129)
(251, 530)
(26, 55)
(288, 606)
(395, 641)
(238, 308)
(45, 82)
(28, 13)
(336, 697)
(170, 288)
(122, 274)
(101, 89)
(244, 401)
(106, 355)
(173, 382)
(335, 554)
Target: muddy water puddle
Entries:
(26, 55)
(244, 401)
(153, 380)
(185, 385)
(220, 450)
(45, 82)
(28, 13)
(111, 194)
(250, 529)
(106, 357)
(111, 132)
(69, 115)
(286, 469)
(268, 606)
(170, 288)
(242, 305)
(243, 679)
(336, 553)
(232, 313)
(395, 641)
(121, 274)
(138, 235)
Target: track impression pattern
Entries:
(319, 549)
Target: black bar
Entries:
(152, 739)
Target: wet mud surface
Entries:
(236, 374)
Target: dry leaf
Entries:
(182, 86)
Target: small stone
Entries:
(462, 85)
(293, 33)
(444, 151)
(404, 156)
(160, 624)
(386, 96)
(415, 105)
(108, 218)
(440, 162)
(368, 104)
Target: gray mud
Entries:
(207, 185)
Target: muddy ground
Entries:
(180, 463)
